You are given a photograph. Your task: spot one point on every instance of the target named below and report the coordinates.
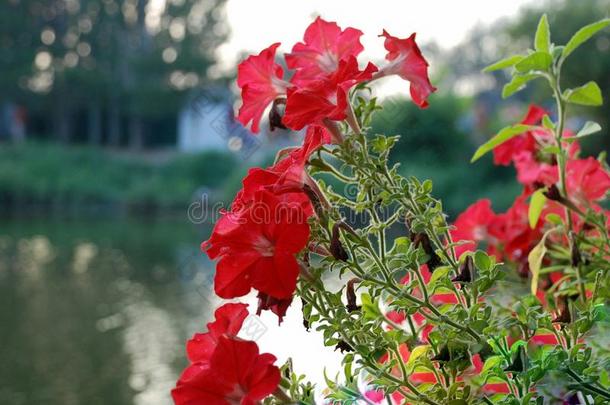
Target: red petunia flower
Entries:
(326, 97)
(406, 60)
(228, 320)
(288, 175)
(472, 226)
(261, 82)
(235, 374)
(257, 250)
(513, 232)
(504, 153)
(587, 180)
(530, 171)
(225, 370)
(324, 45)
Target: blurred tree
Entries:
(71, 61)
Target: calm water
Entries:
(97, 312)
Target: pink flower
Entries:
(406, 60)
(324, 45)
(260, 80)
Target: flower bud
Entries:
(421, 239)
(277, 113)
(343, 346)
(336, 247)
(563, 307)
(465, 271)
(275, 305)
(517, 365)
(350, 294)
(576, 258)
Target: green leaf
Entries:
(417, 352)
(547, 123)
(534, 260)
(536, 206)
(583, 35)
(491, 362)
(535, 61)
(504, 135)
(482, 261)
(542, 41)
(517, 83)
(589, 128)
(553, 219)
(504, 63)
(588, 94)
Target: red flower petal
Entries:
(406, 60)
(260, 80)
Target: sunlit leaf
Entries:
(517, 84)
(583, 35)
(588, 94)
(542, 41)
(504, 135)
(536, 205)
(504, 63)
(589, 128)
(534, 61)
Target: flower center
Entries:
(264, 246)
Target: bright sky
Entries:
(257, 24)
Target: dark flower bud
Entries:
(563, 308)
(517, 366)
(344, 347)
(277, 113)
(316, 202)
(275, 305)
(576, 258)
(336, 247)
(421, 239)
(305, 319)
(350, 294)
(552, 193)
(443, 355)
(466, 270)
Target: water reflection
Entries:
(97, 312)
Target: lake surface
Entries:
(97, 312)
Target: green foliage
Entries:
(39, 173)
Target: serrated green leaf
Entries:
(504, 63)
(587, 94)
(536, 205)
(583, 35)
(517, 83)
(504, 135)
(589, 128)
(534, 61)
(542, 41)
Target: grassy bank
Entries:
(40, 174)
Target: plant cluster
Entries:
(423, 315)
